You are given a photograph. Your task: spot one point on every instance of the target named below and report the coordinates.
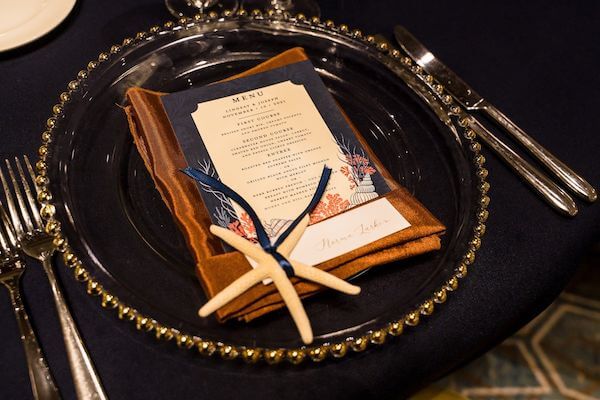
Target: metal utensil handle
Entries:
(85, 379)
(570, 178)
(553, 194)
(42, 383)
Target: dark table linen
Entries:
(535, 60)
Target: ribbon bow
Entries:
(272, 258)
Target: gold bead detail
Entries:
(102, 57)
(92, 65)
(47, 211)
(295, 356)
(41, 166)
(60, 243)
(46, 137)
(184, 341)
(412, 319)
(227, 13)
(315, 20)
(70, 259)
(81, 274)
(462, 270)
(370, 39)
(480, 230)
(228, 352)
(338, 350)
(43, 151)
(143, 323)
(167, 25)
(484, 187)
(93, 288)
(57, 108)
(115, 48)
(206, 347)
(357, 33)
(251, 356)
(359, 344)
(378, 337)
(396, 328)
(427, 307)
(395, 53)
(108, 300)
(440, 296)
(469, 257)
(484, 201)
(344, 28)
(475, 147)
(482, 173)
(330, 24)
(73, 85)
(483, 216)
(273, 356)
(242, 13)
(44, 196)
(475, 243)
(53, 228)
(162, 332)
(65, 97)
(213, 15)
(452, 284)
(41, 181)
(256, 13)
(318, 354)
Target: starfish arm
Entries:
(293, 303)
(324, 278)
(286, 248)
(239, 243)
(232, 291)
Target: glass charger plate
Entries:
(119, 239)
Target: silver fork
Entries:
(11, 269)
(36, 243)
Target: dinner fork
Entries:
(36, 243)
(11, 269)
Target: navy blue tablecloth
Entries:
(536, 60)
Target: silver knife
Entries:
(472, 101)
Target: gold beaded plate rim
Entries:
(229, 351)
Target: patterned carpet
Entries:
(556, 356)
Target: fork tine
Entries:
(20, 200)
(27, 188)
(9, 240)
(12, 210)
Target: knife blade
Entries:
(472, 101)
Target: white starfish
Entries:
(268, 267)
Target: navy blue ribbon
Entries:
(263, 238)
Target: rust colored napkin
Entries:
(158, 146)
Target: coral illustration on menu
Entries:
(268, 136)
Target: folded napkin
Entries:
(216, 269)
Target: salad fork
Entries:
(11, 269)
(36, 243)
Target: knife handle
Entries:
(575, 182)
(553, 194)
